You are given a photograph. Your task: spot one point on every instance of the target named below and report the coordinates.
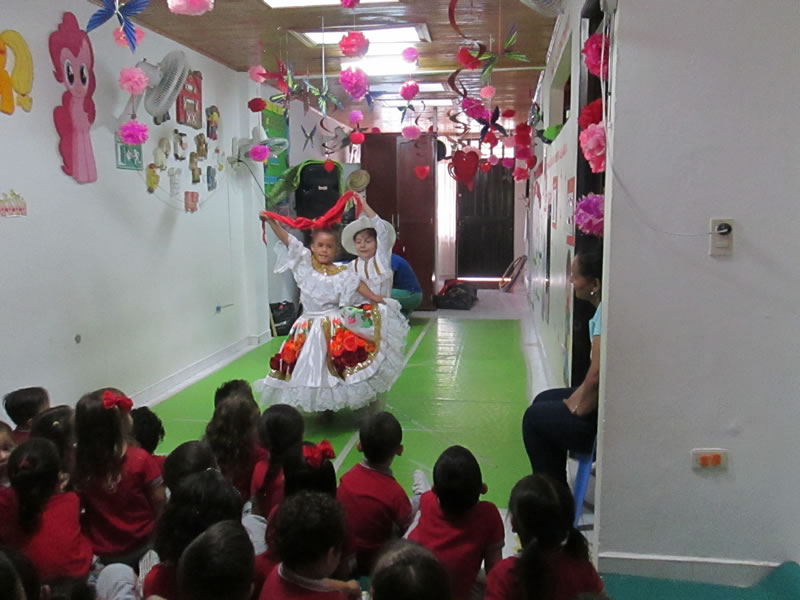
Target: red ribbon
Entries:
(315, 454)
(330, 218)
(451, 13)
(112, 399)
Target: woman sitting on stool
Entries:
(565, 419)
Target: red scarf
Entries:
(330, 218)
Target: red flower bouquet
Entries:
(283, 363)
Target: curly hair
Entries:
(307, 526)
(407, 571)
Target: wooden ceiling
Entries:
(241, 33)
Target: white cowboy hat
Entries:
(361, 223)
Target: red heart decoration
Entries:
(485, 166)
(422, 171)
(464, 166)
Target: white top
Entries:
(376, 272)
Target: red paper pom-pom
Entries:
(257, 105)
(357, 138)
(409, 90)
(523, 128)
(375, 130)
(467, 60)
(508, 113)
(354, 44)
(532, 162)
(329, 165)
(490, 139)
(590, 114)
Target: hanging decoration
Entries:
(309, 137)
(329, 166)
(354, 44)
(490, 59)
(122, 41)
(463, 167)
(133, 132)
(152, 178)
(123, 12)
(493, 160)
(356, 116)
(355, 82)
(410, 54)
(508, 163)
(357, 138)
(259, 153)
(161, 154)
(257, 73)
(133, 80)
(593, 145)
(16, 86)
(129, 156)
(212, 122)
(491, 124)
(508, 113)
(475, 109)
(484, 165)
(322, 94)
(189, 110)
(589, 214)
(520, 174)
(190, 7)
(487, 92)
(590, 114)
(349, 3)
(409, 90)
(73, 62)
(411, 133)
(595, 55)
(422, 171)
(469, 59)
(451, 15)
(13, 205)
(256, 105)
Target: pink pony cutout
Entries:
(73, 62)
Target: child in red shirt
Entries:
(57, 424)
(376, 506)
(554, 563)
(308, 534)
(7, 445)
(22, 406)
(39, 519)
(120, 485)
(217, 564)
(460, 530)
(407, 571)
(148, 431)
(281, 432)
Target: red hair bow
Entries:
(112, 399)
(315, 454)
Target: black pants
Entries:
(550, 430)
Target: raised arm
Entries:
(368, 209)
(282, 234)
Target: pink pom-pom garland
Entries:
(475, 109)
(349, 3)
(355, 82)
(411, 132)
(356, 116)
(595, 51)
(409, 90)
(487, 92)
(257, 73)
(589, 214)
(121, 40)
(593, 145)
(508, 163)
(410, 54)
(133, 133)
(190, 7)
(493, 160)
(259, 153)
(133, 80)
(353, 44)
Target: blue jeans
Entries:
(550, 430)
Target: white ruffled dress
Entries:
(336, 356)
(376, 272)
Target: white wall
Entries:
(701, 351)
(133, 274)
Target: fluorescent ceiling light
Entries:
(394, 88)
(375, 66)
(301, 3)
(407, 34)
(418, 101)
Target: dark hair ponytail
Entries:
(33, 469)
(281, 433)
(100, 435)
(542, 510)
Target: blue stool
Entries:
(585, 462)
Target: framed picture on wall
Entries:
(129, 156)
(189, 107)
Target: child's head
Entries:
(33, 470)
(324, 245)
(309, 533)
(381, 438)
(57, 424)
(280, 430)
(457, 480)
(366, 242)
(219, 563)
(24, 404)
(234, 387)
(407, 571)
(309, 468)
(188, 458)
(101, 421)
(196, 502)
(148, 431)
(19, 579)
(6, 446)
(10, 583)
(231, 433)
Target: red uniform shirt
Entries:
(121, 520)
(570, 577)
(265, 497)
(265, 564)
(162, 580)
(460, 543)
(281, 584)
(374, 504)
(58, 548)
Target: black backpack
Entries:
(458, 295)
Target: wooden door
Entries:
(379, 159)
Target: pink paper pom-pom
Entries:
(409, 90)
(121, 40)
(522, 152)
(487, 92)
(356, 116)
(411, 132)
(257, 73)
(520, 174)
(410, 54)
(133, 133)
(493, 160)
(508, 163)
(475, 109)
(354, 43)
(355, 82)
(589, 214)
(259, 153)
(133, 80)
(593, 144)
(595, 51)
(190, 7)
(349, 3)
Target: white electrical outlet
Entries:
(720, 239)
(709, 458)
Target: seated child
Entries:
(217, 564)
(376, 506)
(309, 535)
(39, 518)
(197, 502)
(7, 444)
(460, 530)
(57, 424)
(407, 571)
(554, 562)
(22, 406)
(405, 285)
(148, 431)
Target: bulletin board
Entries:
(276, 125)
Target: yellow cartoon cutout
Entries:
(14, 50)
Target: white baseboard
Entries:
(722, 571)
(169, 386)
